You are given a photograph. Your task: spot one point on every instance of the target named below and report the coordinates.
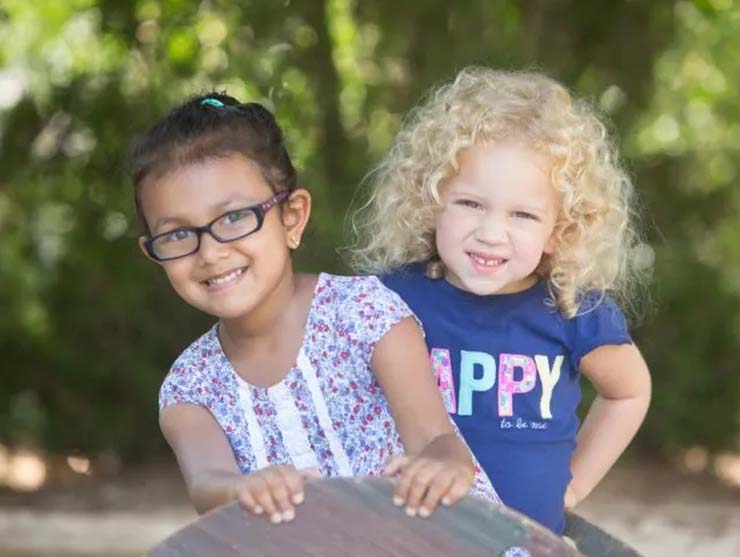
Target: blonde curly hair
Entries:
(595, 231)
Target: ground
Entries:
(659, 510)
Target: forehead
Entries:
(505, 172)
(194, 190)
(508, 161)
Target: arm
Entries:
(622, 382)
(439, 465)
(203, 454)
(211, 473)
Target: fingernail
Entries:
(288, 515)
(258, 510)
(276, 518)
(410, 511)
(424, 512)
(397, 501)
(297, 498)
(446, 502)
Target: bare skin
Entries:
(622, 381)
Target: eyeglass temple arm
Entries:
(274, 200)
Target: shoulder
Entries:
(190, 371)
(599, 309)
(599, 322)
(354, 291)
(195, 358)
(406, 277)
(344, 285)
(419, 291)
(360, 305)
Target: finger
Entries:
(247, 500)
(276, 480)
(403, 484)
(294, 483)
(263, 496)
(422, 478)
(438, 487)
(395, 465)
(460, 487)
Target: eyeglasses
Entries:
(226, 228)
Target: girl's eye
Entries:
(524, 215)
(468, 203)
(236, 216)
(178, 235)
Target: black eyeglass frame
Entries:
(259, 210)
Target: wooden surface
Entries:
(594, 542)
(349, 517)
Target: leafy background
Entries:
(88, 327)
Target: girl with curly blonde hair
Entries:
(503, 217)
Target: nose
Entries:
(211, 250)
(492, 228)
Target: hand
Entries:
(571, 498)
(273, 491)
(424, 482)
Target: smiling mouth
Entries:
(491, 262)
(227, 278)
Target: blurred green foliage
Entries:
(88, 327)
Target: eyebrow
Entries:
(463, 190)
(167, 221)
(531, 208)
(538, 209)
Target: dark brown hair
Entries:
(206, 127)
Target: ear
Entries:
(550, 245)
(142, 247)
(295, 215)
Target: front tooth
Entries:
(227, 278)
(487, 262)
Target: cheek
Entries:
(444, 235)
(528, 241)
(540, 244)
(178, 274)
(451, 225)
(266, 255)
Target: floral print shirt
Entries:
(328, 412)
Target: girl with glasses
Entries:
(301, 375)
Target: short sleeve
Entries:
(183, 385)
(600, 322)
(375, 309)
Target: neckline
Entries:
(535, 289)
(293, 367)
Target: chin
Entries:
(221, 312)
(228, 314)
(480, 289)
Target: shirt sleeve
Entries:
(600, 322)
(183, 385)
(375, 309)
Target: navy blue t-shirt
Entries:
(507, 367)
